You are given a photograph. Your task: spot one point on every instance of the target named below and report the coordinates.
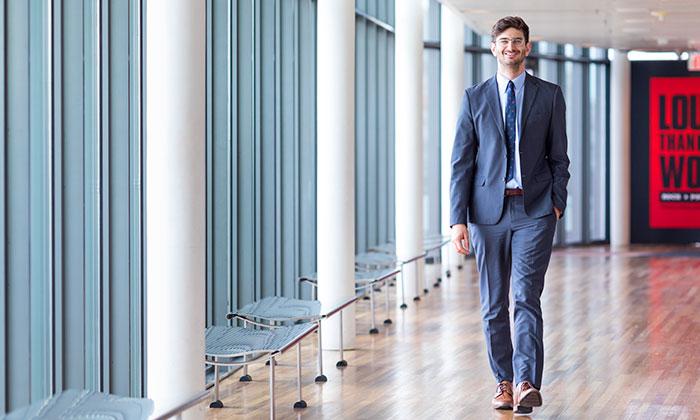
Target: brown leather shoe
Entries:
(526, 397)
(503, 400)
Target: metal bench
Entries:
(431, 244)
(275, 310)
(365, 283)
(238, 346)
(85, 404)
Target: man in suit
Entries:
(509, 177)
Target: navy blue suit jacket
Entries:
(479, 153)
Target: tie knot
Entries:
(511, 86)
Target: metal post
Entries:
(216, 382)
(416, 298)
(272, 388)
(246, 377)
(386, 301)
(341, 362)
(321, 377)
(216, 403)
(403, 288)
(300, 403)
(373, 327)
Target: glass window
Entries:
(489, 66)
(573, 93)
(431, 20)
(431, 141)
(597, 153)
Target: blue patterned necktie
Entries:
(510, 129)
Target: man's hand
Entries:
(557, 213)
(460, 239)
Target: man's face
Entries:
(510, 48)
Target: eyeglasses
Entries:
(517, 42)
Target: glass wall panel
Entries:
(597, 145)
(374, 125)
(573, 94)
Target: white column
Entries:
(620, 139)
(451, 92)
(335, 156)
(409, 141)
(175, 200)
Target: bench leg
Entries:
(386, 302)
(216, 403)
(447, 265)
(321, 377)
(246, 377)
(272, 389)
(373, 327)
(416, 298)
(426, 280)
(341, 362)
(300, 403)
(403, 289)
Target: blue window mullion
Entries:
(40, 168)
(92, 170)
(57, 197)
(3, 215)
(104, 199)
(136, 209)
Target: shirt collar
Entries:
(519, 82)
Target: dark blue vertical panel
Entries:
(119, 180)
(266, 174)
(104, 199)
(360, 135)
(361, 5)
(17, 142)
(57, 196)
(307, 139)
(3, 230)
(245, 143)
(288, 140)
(40, 239)
(431, 141)
(233, 51)
(257, 161)
(221, 159)
(391, 207)
(382, 164)
(209, 144)
(380, 11)
(390, 12)
(73, 362)
(372, 133)
(137, 282)
(92, 164)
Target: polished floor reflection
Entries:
(622, 341)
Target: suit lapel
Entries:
(494, 101)
(528, 101)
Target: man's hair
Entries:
(515, 22)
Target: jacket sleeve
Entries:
(557, 146)
(463, 156)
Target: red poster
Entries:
(674, 152)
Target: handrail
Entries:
(198, 398)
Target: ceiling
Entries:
(652, 25)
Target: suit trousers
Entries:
(513, 252)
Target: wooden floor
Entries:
(622, 341)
